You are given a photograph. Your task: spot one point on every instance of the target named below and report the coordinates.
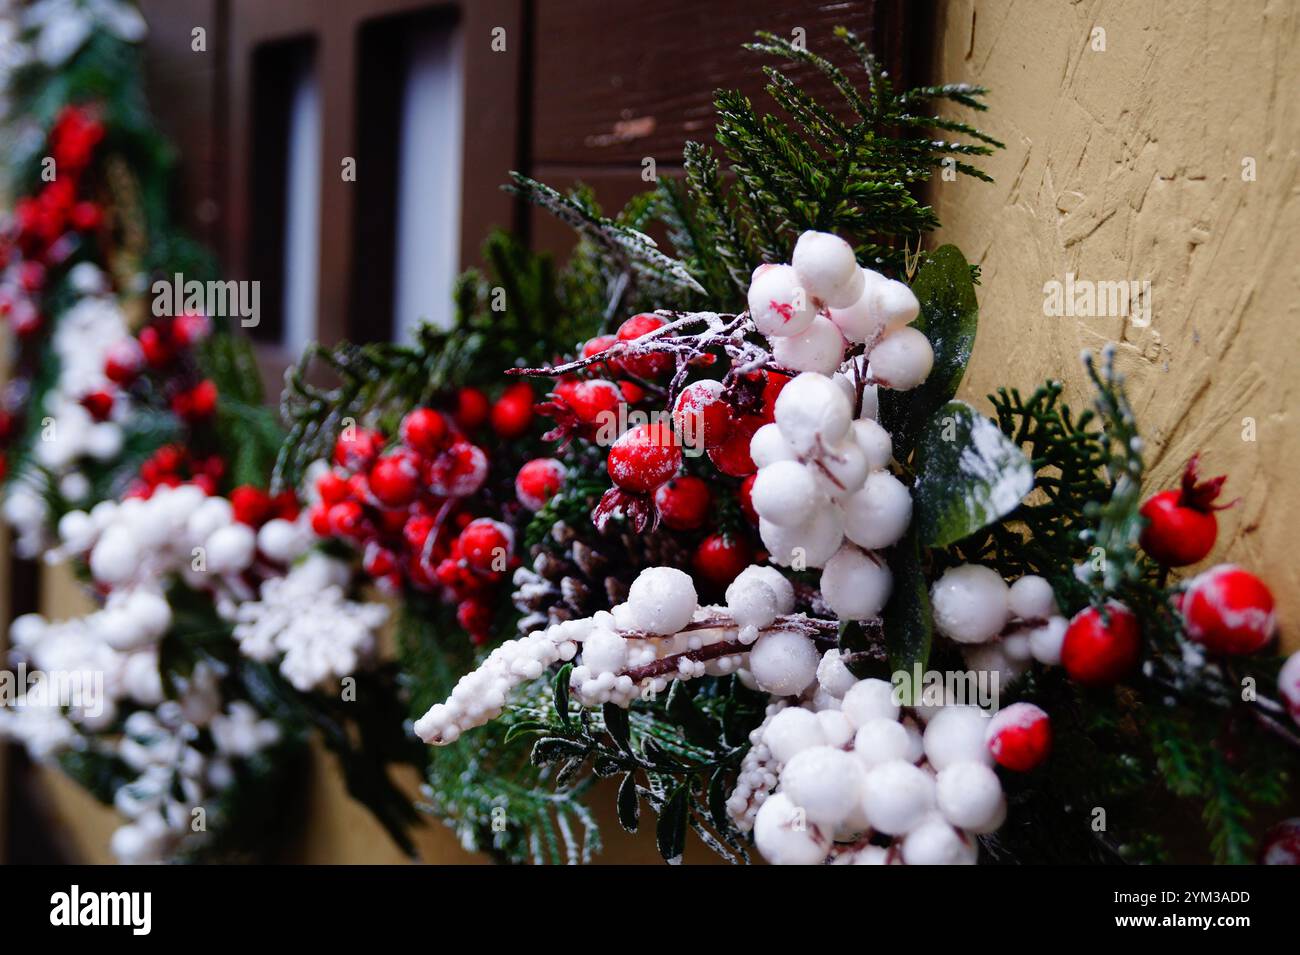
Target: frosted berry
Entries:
(1098, 653)
(969, 603)
(1282, 844)
(1229, 610)
(783, 663)
(793, 730)
(537, 482)
(395, 479)
(425, 431)
(826, 266)
(459, 471)
(357, 447)
(970, 796)
(645, 457)
(594, 402)
(683, 503)
(701, 414)
(485, 544)
(902, 359)
(652, 364)
(1020, 736)
(1181, 526)
(825, 782)
(786, 493)
(720, 557)
(819, 348)
(778, 303)
(598, 344)
(856, 585)
(878, 514)
(785, 837)
(124, 361)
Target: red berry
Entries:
(472, 409)
(537, 482)
(99, 404)
(416, 532)
(331, 488)
(198, 403)
(347, 519)
(86, 216)
(425, 431)
(357, 447)
(773, 382)
(1181, 525)
(1229, 610)
(721, 557)
(395, 479)
(1176, 535)
(1020, 736)
(511, 416)
(1282, 844)
(595, 402)
(732, 456)
(320, 521)
(190, 328)
(157, 349)
(649, 365)
(597, 345)
(1097, 653)
(633, 393)
(745, 495)
(485, 544)
(124, 361)
(459, 471)
(683, 503)
(701, 415)
(379, 561)
(252, 505)
(476, 617)
(644, 458)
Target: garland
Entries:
(764, 570)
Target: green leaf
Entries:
(908, 624)
(551, 749)
(670, 833)
(949, 317)
(968, 475)
(560, 690)
(618, 726)
(629, 804)
(718, 800)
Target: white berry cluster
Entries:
(845, 777)
(68, 434)
(305, 620)
(811, 308)
(660, 634)
(1001, 628)
(179, 531)
(168, 801)
(823, 478)
(162, 739)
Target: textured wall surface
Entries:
(1126, 164)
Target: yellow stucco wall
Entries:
(1127, 164)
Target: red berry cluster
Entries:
(173, 465)
(406, 509)
(645, 460)
(40, 222)
(255, 506)
(162, 352)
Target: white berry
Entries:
(783, 662)
(662, 600)
(812, 411)
(970, 603)
(819, 348)
(956, 734)
(785, 837)
(856, 585)
(870, 700)
(902, 359)
(785, 493)
(969, 795)
(878, 515)
(791, 731)
(778, 302)
(828, 269)
(1031, 598)
(897, 797)
(825, 782)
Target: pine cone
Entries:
(579, 571)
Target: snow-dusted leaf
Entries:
(949, 316)
(969, 474)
